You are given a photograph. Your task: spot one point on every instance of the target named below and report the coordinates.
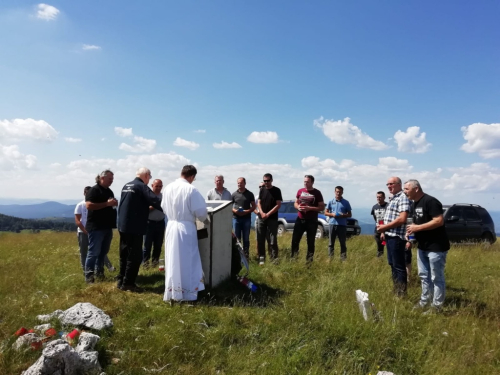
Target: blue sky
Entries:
(351, 92)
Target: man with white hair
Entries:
(219, 192)
(133, 213)
(433, 245)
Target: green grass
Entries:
(302, 320)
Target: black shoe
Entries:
(100, 276)
(89, 279)
(146, 264)
(132, 288)
(379, 254)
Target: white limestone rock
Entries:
(87, 342)
(26, 340)
(86, 315)
(59, 357)
(46, 318)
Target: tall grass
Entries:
(302, 320)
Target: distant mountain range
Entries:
(66, 211)
(39, 211)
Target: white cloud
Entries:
(141, 145)
(188, 144)
(263, 137)
(12, 159)
(392, 164)
(47, 12)
(27, 129)
(412, 141)
(483, 139)
(200, 131)
(123, 132)
(226, 145)
(91, 47)
(55, 165)
(344, 132)
(72, 140)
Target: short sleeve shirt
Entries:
(105, 218)
(342, 207)
(397, 204)
(310, 198)
(81, 209)
(378, 212)
(435, 239)
(243, 200)
(214, 195)
(268, 199)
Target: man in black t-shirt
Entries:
(433, 244)
(378, 212)
(101, 205)
(269, 203)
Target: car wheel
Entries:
(487, 237)
(320, 232)
(281, 229)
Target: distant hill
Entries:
(16, 224)
(39, 211)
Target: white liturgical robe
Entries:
(182, 203)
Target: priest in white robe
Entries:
(182, 203)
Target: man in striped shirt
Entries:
(394, 232)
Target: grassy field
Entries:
(301, 321)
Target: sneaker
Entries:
(146, 264)
(100, 276)
(343, 257)
(261, 261)
(90, 279)
(380, 254)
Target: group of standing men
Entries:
(308, 202)
(142, 212)
(141, 219)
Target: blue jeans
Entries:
(83, 243)
(397, 261)
(340, 231)
(99, 243)
(241, 227)
(431, 272)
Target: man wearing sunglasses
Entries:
(269, 203)
(394, 232)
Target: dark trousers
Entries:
(340, 231)
(263, 227)
(130, 258)
(153, 238)
(309, 226)
(380, 247)
(396, 259)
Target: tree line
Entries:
(16, 224)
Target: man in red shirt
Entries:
(309, 201)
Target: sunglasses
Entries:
(266, 181)
(391, 183)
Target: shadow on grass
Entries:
(457, 302)
(152, 283)
(233, 293)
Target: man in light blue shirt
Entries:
(337, 211)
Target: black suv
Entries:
(468, 222)
(288, 214)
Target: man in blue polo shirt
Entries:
(337, 211)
